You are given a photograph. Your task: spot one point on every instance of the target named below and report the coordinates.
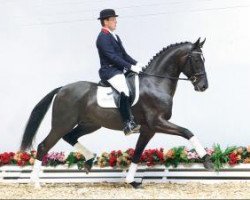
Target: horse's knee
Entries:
(187, 134)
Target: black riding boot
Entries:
(128, 119)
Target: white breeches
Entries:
(119, 83)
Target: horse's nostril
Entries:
(204, 87)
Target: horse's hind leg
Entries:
(54, 136)
(72, 139)
(73, 136)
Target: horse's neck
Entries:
(165, 66)
(163, 87)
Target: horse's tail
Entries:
(35, 119)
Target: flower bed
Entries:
(122, 159)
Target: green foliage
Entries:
(173, 157)
(244, 154)
(220, 157)
(179, 155)
(75, 158)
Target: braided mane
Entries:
(164, 50)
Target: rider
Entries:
(115, 62)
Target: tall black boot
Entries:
(128, 119)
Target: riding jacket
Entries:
(113, 57)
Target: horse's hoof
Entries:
(208, 164)
(136, 185)
(89, 164)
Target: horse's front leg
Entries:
(144, 138)
(164, 126)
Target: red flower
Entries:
(25, 156)
(12, 154)
(5, 158)
(113, 153)
(130, 152)
(152, 156)
(143, 157)
(119, 153)
(232, 159)
(112, 161)
(160, 155)
(21, 163)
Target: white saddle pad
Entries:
(105, 97)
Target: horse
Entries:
(75, 111)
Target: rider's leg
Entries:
(129, 125)
(119, 83)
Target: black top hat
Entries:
(106, 13)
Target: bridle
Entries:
(196, 75)
(194, 78)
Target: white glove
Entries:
(139, 65)
(136, 68)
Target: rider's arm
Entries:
(130, 59)
(105, 46)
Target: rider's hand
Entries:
(136, 68)
(140, 65)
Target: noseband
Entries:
(194, 78)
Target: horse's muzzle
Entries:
(201, 88)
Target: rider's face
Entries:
(110, 23)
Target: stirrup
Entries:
(127, 131)
(131, 127)
(136, 127)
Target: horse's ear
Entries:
(201, 44)
(197, 43)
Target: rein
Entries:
(169, 77)
(192, 78)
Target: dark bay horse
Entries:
(75, 111)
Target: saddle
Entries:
(131, 82)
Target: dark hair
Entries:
(102, 21)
